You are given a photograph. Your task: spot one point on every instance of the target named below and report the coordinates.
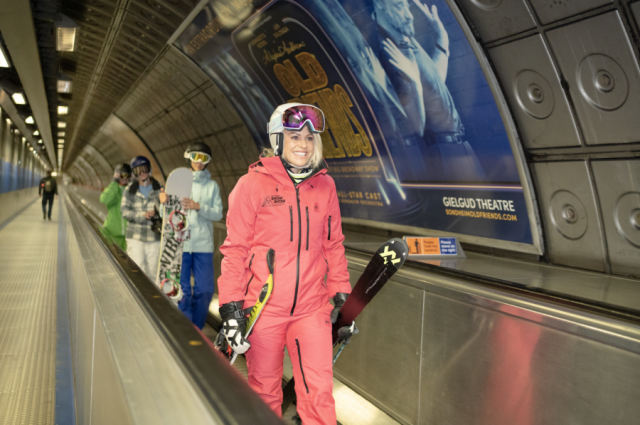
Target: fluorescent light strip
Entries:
(19, 99)
(63, 110)
(29, 120)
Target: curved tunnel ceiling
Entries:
(118, 40)
(580, 153)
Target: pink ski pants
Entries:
(308, 341)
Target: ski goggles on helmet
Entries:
(296, 117)
(198, 157)
(124, 175)
(140, 169)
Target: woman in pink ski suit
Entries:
(287, 202)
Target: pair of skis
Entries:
(386, 261)
(256, 310)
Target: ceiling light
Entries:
(40, 141)
(29, 120)
(63, 110)
(36, 133)
(61, 134)
(62, 124)
(66, 32)
(4, 60)
(65, 85)
(30, 148)
(18, 99)
(61, 141)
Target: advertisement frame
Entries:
(536, 247)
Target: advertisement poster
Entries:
(414, 135)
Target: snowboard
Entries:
(386, 261)
(255, 311)
(175, 230)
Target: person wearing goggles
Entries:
(287, 202)
(139, 204)
(203, 207)
(115, 226)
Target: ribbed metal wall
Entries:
(570, 73)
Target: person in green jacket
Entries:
(115, 226)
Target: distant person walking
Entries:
(115, 226)
(48, 190)
(139, 204)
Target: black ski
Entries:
(385, 262)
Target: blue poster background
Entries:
(414, 134)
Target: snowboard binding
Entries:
(179, 225)
(172, 289)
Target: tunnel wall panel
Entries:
(603, 76)
(618, 184)
(533, 88)
(495, 19)
(570, 215)
(551, 10)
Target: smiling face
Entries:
(298, 147)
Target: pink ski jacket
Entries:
(301, 223)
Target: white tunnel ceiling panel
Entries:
(618, 184)
(554, 10)
(603, 76)
(532, 86)
(495, 19)
(569, 213)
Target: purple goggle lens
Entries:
(296, 117)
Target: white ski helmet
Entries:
(297, 115)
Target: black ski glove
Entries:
(346, 332)
(338, 302)
(234, 325)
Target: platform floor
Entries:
(28, 260)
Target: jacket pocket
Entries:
(301, 369)
(329, 233)
(252, 275)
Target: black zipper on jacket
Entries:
(291, 220)
(307, 208)
(301, 369)
(329, 236)
(295, 297)
(252, 275)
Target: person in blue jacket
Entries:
(204, 207)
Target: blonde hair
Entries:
(316, 156)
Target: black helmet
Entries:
(197, 147)
(123, 169)
(138, 163)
